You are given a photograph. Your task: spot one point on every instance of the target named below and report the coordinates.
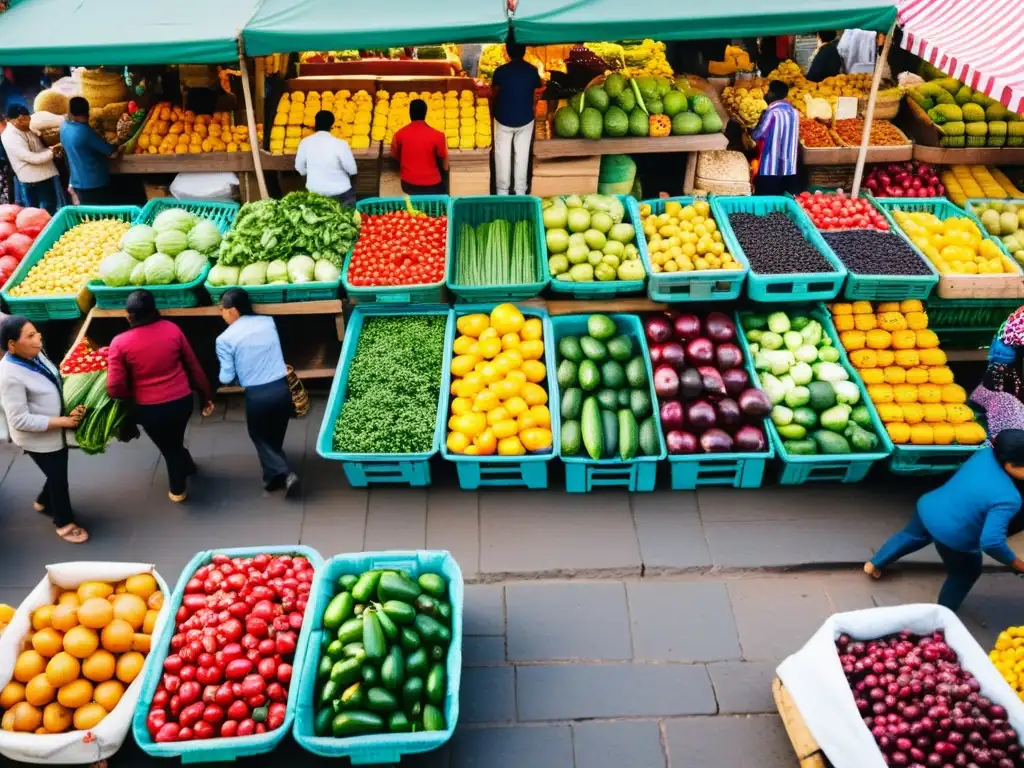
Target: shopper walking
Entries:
(514, 85)
(87, 155)
(777, 135)
(327, 162)
(32, 162)
(249, 351)
(421, 151)
(32, 398)
(152, 365)
(970, 514)
(8, 181)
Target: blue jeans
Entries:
(42, 194)
(962, 568)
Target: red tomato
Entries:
(167, 732)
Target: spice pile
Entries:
(815, 135)
(883, 133)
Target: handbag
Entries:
(298, 392)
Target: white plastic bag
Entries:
(814, 677)
(221, 187)
(105, 739)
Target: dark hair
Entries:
(827, 35)
(236, 298)
(1002, 377)
(324, 120)
(515, 51)
(16, 110)
(1009, 447)
(141, 308)
(778, 89)
(11, 330)
(78, 106)
(417, 109)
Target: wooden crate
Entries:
(469, 172)
(1004, 286)
(808, 753)
(565, 175)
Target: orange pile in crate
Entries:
(176, 131)
(905, 373)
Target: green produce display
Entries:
(588, 239)
(607, 409)
(393, 386)
(816, 409)
(382, 668)
(496, 253)
(175, 249)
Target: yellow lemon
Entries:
(457, 442)
(506, 318)
(534, 394)
(510, 341)
(511, 446)
(489, 333)
(463, 344)
(534, 370)
(541, 415)
(461, 405)
(472, 325)
(516, 405)
(531, 350)
(486, 400)
(490, 348)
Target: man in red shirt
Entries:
(417, 147)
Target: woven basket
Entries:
(102, 88)
(886, 106)
(720, 187)
(50, 136)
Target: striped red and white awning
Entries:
(980, 42)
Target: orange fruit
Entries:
(90, 589)
(95, 613)
(81, 641)
(25, 718)
(48, 642)
(89, 716)
(129, 666)
(108, 694)
(7, 721)
(62, 669)
(155, 601)
(12, 693)
(99, 666)
(131, 608)
(117, 636)
(75, 694)
(142, 642)
(28, 665)
(65, 617)
(39, 692)
(56, 718)
(41, 617)
(142, 585)
(149, 623)
(69, 598)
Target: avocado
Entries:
(594, 349)
(569, 348)
(620, 348)
(613, 375)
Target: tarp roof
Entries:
(282, 26)
(977, 41)
(113, 32)
(539, 22)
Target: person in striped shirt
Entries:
(777, 135)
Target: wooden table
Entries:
(206, 162)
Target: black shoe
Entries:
(291, 485)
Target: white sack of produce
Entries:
(814, 677)
(222, 187)
(106, 738)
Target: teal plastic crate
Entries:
(362, 469)
(793, 287)
(531, 470)
(607, 289)
(284, 293)
(929, 459)
(379, 748)
(477, 210)
(702, 285)
(43, 308)
(968, 323)
(221, 214)
(848, 468)
(432, 205)
(583, 474)
(223, 749)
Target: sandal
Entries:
(177, 498)
(872, 571)
(39, 508)
(73, 534)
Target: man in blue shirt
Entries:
(87, 155)
(514, 84)
(777, 135)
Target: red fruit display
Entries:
(840, 211)
(399, 248)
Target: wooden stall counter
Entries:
(205, 162)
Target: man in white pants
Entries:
(514, 85)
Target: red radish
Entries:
(657, 329)
(679, 442)
(686, 327)
(671, 414)
(716, 440)
(700, 351)
(666, 381)
(720, 328)
(728, 356)
(700, 415)
(736, 381)
(672, 354)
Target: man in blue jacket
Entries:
(87, 155)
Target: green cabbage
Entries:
(301, 268)
(171, 241)
(222, 275)
(253, 274)
(204, 236)
(139, 242)
(277, 271)
(188, 266)
(159, 269)
(326, 272)
(138, 276)
(116, 269)
(174, 218)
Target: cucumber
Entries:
(348, 581)
(572, 403)
(444, 612)
(610, 433)
(426, 604)
(412, 692)
(339, 610)
(572, 438)
(620, 348)
(354, 697)
(392, 671)
(366, 586)
(640, 404)
(623, 398)
(608, 399)
(395, 587)
(590, 424)
(351, 631)
(613, 375)
(433, 584)
(399, 612)
(435, 686)
(409, 640)
(329, 692)
(432, 631)
(389, 627)
(649, 443)
(800, 447)
(416, 664)
(629, 435)
(324, 670)
(345, 672)
(594, 349)
(570, 349)
(379, 700)
(322, 723)
(590, 375)
(567, 374)
(433, 720)
(601, 327)
(371, 675)
(636, 373)
(399, 723)
(335, 650)
(373, 636)
(355, 651)
(437, 653)
(356, 723)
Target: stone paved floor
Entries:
(602, 631)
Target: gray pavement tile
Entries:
(550, 533)
(453, 523)
(338, 526)
(396, 518)
(681, 621)
(994, 599)
(480, 651)
(669, 530)
(775, 617)
(513, 747)
(808, 502)
(581, 691)
(900, 588)
(549, 621)
(13, 596)
(618, 744)
(743, 687)
(487, 695)
(752, 741)
(789, 542)
(484, 609)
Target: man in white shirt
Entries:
(31, 160)
(327, 162)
